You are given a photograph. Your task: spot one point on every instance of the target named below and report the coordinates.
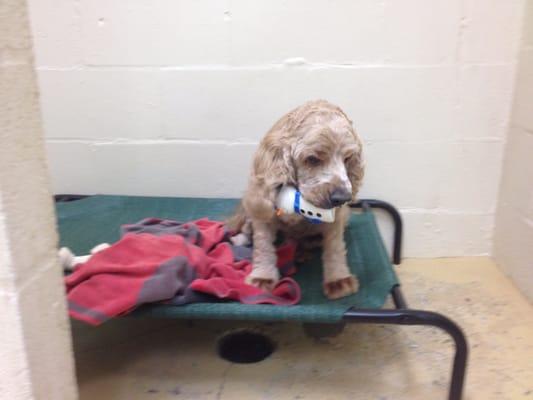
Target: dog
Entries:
(315, 149)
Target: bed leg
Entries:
(427, 318)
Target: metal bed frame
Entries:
(403, 315)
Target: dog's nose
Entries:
(339, 196)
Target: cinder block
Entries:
(513, 238)
(447, 235)
(491, 31)
(224, 104)
(57, 39)
(164, 32)
(485, 100)
(434, 175)
(516, 191)
(393, 103)
(264, 32)
(472, 173)
(151, 169)
(421, 31)
(523, 102)
(95, 104)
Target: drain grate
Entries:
(245, 347)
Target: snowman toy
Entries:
(291, 201)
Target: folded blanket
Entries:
(174, 263)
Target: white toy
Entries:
(69, 261)
(290, 201)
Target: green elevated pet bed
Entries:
(87, 221)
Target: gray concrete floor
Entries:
(171, 359)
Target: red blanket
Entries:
(171, 262)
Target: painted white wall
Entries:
(170, 97)
(35, 347)
(513, 243)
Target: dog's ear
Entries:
(272, 168)
(356, 169)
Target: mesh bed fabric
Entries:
(87, 222)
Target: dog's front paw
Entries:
(341, 287)
(263, 278)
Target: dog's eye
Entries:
(313, 161)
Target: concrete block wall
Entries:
(513, 244)
(35, 346)
(170, 97)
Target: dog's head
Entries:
(314, 148)
(326, 156)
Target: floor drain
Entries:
(245, 347)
